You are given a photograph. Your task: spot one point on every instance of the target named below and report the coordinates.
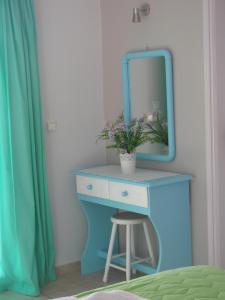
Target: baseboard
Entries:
(65, 269)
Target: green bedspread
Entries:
(192, 283)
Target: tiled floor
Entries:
(14, 296)
(69, 283)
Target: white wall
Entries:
(70, 55)
(219, 43)
(178, 26)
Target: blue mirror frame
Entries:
(169, 93)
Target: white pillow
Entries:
(113, 295)
(66, 298)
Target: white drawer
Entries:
(129, 194)
(92, 186)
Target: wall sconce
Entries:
(144, 10)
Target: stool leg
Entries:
(132, 247)
(110, 251)
(128, 252)
(149, 244)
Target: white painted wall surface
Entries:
(178, 26)
(219, 43)
(70, 56)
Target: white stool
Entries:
(129, 220)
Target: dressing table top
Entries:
(141, 176)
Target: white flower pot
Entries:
(128, 163)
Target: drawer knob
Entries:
(89, 187)
(124, 194)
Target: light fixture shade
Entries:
(145, 9)
(136, 15)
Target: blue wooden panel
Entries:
(170, 216)
(99, 231)
(115, 204)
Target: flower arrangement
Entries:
(125, 138)
(157, 128)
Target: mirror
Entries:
(148, 92)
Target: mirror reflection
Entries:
(148, 97)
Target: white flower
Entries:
(151, 117)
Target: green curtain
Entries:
(26, 243)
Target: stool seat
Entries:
(128, 218)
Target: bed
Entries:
(192, 283)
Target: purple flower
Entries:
(111, 134)
(121, 127)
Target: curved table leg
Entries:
(170, 216)
(99, 231)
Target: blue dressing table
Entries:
(162, 196)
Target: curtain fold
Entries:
(27, 252)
